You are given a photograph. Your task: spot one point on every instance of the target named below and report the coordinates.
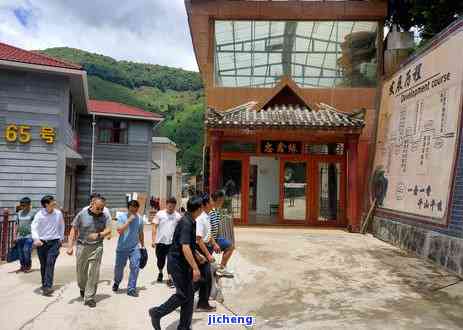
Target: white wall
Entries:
(165, 155)
(268, 181)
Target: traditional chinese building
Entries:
(48, 144)
(291, 92)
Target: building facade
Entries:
(40, 101)
(291, 92)
(165, 176)
(56, 141)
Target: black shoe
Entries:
(82, 293)
(170, 283)
(90, 303)
(47, 291)
(160, 277)
(206, 308)
(115, 287)
(155, 320)
(132, 293)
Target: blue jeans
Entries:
(24, 246)
(134, 264)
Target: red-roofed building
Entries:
(115, 109)
(58, 142)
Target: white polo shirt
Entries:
(203, 227)
(166, 226)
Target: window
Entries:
(315, 54)
(112, 131)
(72, 113)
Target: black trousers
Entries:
(204, 285)
(161, 255)
(184, 294)
(48, 253)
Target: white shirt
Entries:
(166, 226)
(203, 227)
(48, 226)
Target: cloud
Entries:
(150, 31)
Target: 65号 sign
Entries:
(22, 134)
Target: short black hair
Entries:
(217, 195)
(97, 195)
(47, 200)
(205, 198)
(194, 204)
(25, 200)
(133, 203)
(171, 200)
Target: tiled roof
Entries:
(14, 54)
(282, 116)
(120, 109)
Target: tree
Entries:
(429, 17)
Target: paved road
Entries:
(286, 278)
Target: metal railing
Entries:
(7, 232)
(8, 223)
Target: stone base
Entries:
(442, 249)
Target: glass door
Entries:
(232, 174)
(294, 191)
(330, 191)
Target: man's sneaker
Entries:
(132, 293)
(223, 272)
(90, 303)
(82, 293)
(170, 283)
(155, 320)
(206, 309)
(115, 287)
(160, 278)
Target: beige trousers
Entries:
(88, 268)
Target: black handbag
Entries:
(143, 258)
(13, 254)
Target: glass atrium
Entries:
(315, 54)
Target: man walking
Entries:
(183, 267)
(203, 239)
(219, 243)
(47, 231)
(23, 234)
(164, 224)
(130, 229)
(90, 226)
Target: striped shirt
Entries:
(214, 216)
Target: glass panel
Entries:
(314, 53)
(328, 191)
(231, 182)
(295, 191)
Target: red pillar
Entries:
(214, 176)
(353, 214)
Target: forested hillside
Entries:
(175, 93)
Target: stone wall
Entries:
(439, 247)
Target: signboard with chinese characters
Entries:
(22, 133)
(418, 132)
(280, 147)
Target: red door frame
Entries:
(244, 158)
(312, 200)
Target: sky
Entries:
(148, 31)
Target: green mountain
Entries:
(175, 93)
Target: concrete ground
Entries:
(286, 278)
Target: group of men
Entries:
(186, 241)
